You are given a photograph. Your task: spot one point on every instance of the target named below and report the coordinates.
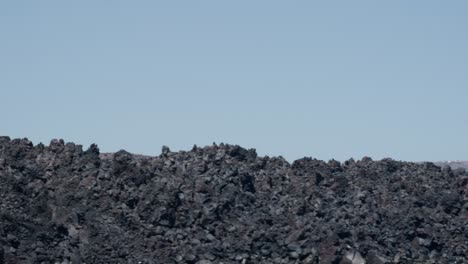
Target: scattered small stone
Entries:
(294, 255)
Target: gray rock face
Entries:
(352, 257)
(224, 204)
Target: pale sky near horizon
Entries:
(326, 79)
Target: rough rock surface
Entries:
(223, 204)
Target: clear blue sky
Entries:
(327, 79)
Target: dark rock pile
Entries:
(224, 204)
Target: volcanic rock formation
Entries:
(224, 204)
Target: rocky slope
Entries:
(223, 204)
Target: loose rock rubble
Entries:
(224, 204)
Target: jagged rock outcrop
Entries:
(224, 204)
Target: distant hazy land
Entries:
(454, 164)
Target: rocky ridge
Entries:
(224, 204)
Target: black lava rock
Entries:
(224, 204)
